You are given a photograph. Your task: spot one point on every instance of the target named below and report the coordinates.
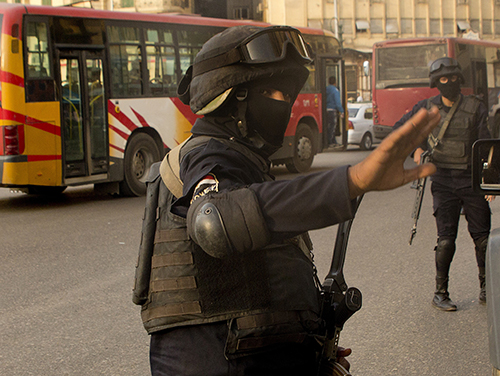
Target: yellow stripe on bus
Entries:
(15, 173)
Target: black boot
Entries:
(442, 299)
(482, 286)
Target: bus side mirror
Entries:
(366, 68)
(486, 167)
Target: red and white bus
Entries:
(89, 97)
(401, 75)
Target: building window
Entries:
(463, 25)
(487, 27)
(406, 26)
(391, 26)
(421, 26)
(346, 24)
(46, 2)
(376, 26)
(241, 13)
(435, 26)
(448, 27)
(127, 3)
(362, 26)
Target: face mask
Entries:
(268, 118)
(449, 90)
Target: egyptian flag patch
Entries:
(206, 185)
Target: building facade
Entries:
(358, 24)
(361, 23)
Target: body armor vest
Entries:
(178, 284)
(454, 150)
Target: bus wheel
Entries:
(140, 154)
(303, 153)
(45, 190)
(366, 142)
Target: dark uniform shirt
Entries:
(290, 207)
(452, 177)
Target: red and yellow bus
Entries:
(401, 75)
(89, 97)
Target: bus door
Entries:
(480, 80)
(84, 128)
(333, 67)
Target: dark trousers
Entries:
(332, 120)
(447, 202)
(199, 351)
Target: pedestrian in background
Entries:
(333, 108)
(464, 119)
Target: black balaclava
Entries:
(267, 118)
(449, 90)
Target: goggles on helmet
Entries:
(268, 45)
(446, 62)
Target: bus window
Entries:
(190, 43)
(38, 77)
(404, 66)
(78, 31)
(161, 62)
(323, 45)
(97, 109)
(71, 106)
(310, 85)
(126, 61)
(37, 50)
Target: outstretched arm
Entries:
(383, 169)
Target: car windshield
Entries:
(353, 112)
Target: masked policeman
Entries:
(225, 275)
(464, 119)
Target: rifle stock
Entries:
(339, 303)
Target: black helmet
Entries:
(445, 66)
(239, 55)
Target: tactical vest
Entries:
(454, 150)
(178, 284)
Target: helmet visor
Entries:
(443, 62)
(269, 45)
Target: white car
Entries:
(360, 131)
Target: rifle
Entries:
(339, 303)
(420, 187)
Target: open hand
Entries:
(383, 169)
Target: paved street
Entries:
(67, 272)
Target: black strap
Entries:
(434, 141)
(230, 57)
